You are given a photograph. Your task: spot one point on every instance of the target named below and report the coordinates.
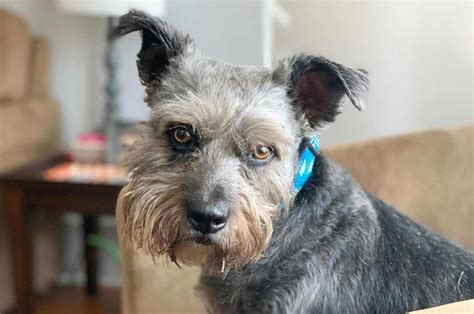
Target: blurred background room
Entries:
(65, 89)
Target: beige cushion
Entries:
(428, 176)
(465, 307)
(14, 56)
(38, 79)
(154, 288)
(29, 129)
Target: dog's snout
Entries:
(207, 220)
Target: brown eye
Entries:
(182, 136)
(262, 152)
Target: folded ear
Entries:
(160, 44)
(319, 86)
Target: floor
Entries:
(75, 301)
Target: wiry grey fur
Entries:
(332, 249)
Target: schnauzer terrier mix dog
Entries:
(228, 175)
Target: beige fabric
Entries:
(428, 176)
(465, 307)
(29, 130)
(38, 80)
(14, 56)
(147, 286)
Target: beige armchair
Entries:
(29, 130)
(428, 176)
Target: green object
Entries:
(109, 247)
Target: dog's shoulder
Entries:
(411, 266)
(432, 269)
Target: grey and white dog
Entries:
(212, 183)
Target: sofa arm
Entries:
(457, 307)
(127, 296)
(14, 56)
(29, 130)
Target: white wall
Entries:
(419, 55)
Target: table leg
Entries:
(90, 225)
(21, 249)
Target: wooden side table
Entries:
(26, 191)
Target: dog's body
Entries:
(341, 250)
(212, 183)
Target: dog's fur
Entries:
(333, 248)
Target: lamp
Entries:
(111, 9)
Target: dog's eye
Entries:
(262, 153)
(182, 135)
(182, 138)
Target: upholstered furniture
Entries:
(452, 308)
(29, 130)
(427, 176)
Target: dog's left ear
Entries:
(319, 86)
(161, 44)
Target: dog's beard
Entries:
(155, 221)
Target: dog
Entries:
(228, 175)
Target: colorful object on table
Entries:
(88, 147)
(90, 173)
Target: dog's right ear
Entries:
(160, 44)
(318, 86)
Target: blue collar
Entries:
(305, 167)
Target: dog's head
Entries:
(216, 161)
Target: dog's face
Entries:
(216, 161)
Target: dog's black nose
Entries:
(207, 220)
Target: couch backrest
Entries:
(23, 60)
(39, 66)
(14, 55)
(428, 176)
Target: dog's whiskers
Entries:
(173, 258)
(223, 265)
